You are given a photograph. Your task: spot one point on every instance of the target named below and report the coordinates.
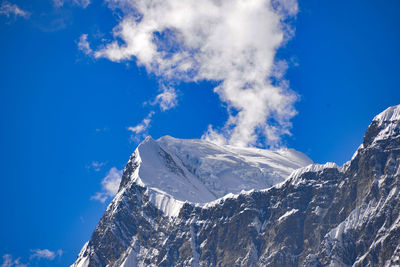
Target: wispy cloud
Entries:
(45, 254)
(84, 45)
(36, 254)
(96, 165)
(109, 184)
(167, 99)
(58, 3)
(232, 42)
(104, 129)
(7, 9)
(140, 130)
(80, 3)
(8, 261)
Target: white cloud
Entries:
(233, 42)
(8, 9)
(96, 165)
(38, 254)
(100, 196)
(80, 3)
(140, 130)
(110, 185)
(143, 125)
(83, 45)
(167, 99)
(45, 254)
(8, 261)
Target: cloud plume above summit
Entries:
(231, 42)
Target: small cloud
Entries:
(82, 3)
(167, 99)
(140, 130)
(102, 129)
(100, 196)
(83, 45)
(96, 165)
(109, 184)
(45, 254)
(79, 3)
(8, 261)
(143, 125)
(37, 254)
(8, 9)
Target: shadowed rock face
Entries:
(323, 215)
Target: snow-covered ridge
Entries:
(82, 261)
(389, 121)
(295, 177)
(391, 114)
(176, 170)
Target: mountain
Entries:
(196, 171)
(321, 215)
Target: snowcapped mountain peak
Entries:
(178, 170)
(322, 215)
(391, 114)
(385, 125)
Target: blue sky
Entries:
(65, 113)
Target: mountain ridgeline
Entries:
(192, 203)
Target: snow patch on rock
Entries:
(287, 214)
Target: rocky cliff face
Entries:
(322, 215)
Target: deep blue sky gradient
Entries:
(61, 110)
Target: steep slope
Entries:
(323, 215)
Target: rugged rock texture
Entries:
(322, 215)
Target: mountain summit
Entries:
(175, 170)
(172, 208)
